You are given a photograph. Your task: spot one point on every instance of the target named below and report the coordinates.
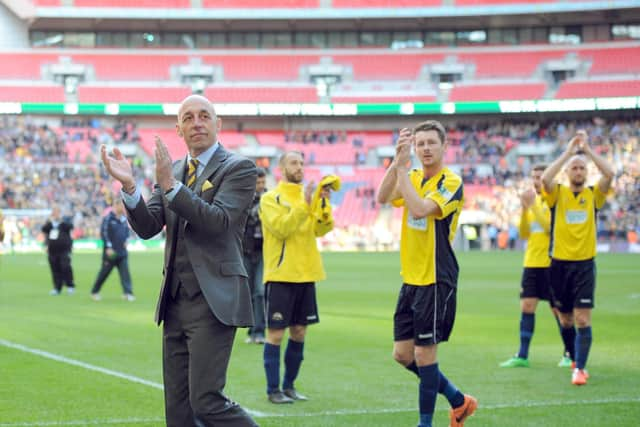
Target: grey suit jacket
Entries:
(213, 229)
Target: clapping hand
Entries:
(164, 171)
(308, 191)
(403, 148)
(579, 144)
(118, 167)
(527, 198)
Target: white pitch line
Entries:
(259, 414)
(481, 408)
(85, 422)
(95, 368)
(84, 365)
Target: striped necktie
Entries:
(191, 173)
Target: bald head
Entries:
(577, 158)
(197, 99)
(576, 170)
(198, 124)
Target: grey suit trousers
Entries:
(196, 348)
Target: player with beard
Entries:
(292, 219)
(574, 209)
(535, 224)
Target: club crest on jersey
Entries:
(277, 316)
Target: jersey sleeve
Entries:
(599, 198)
(552, 197)
(281, 222)
(524, 226)
(448, 195)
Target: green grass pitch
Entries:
(70, 361)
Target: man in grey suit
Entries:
(203, 200)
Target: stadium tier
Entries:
(93, 94)
(382, 99)
(256, 93)
(368, 75)
(137, 3)
(495, 2)
(260, 3)
(596, 88)
(385, 3)
(133, 94)
(487, 92)
(241, 4)
(614, 60)
(31, 93)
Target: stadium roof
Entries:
(325, 18)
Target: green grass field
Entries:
(70, 361)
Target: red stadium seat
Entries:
(387, 66)
(260, 3)
(49, 94)
(592, 89)
(261, 66)
(131, 66)
(490, 2)
(137, 95)
(509, 63)
(613, 60)
(497, 92)
(25, 65)
(47, 3)
(137, 3)
(386, 3)
(383, 99)
(306, 94)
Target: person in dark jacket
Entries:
(253, 263)
(57, 238)
(114, 233)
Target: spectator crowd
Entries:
(41, 164)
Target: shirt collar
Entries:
(205, 156)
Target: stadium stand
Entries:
(137, 3)
(598, 88)
(31, 93)
(126, 94)
(506, 91)
(385, 3)
(370, 62)
(368, 75)
(244, 4)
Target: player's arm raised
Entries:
(526, 202)
(418, 206)
(549, 175)
(388, 188)
(604, 184)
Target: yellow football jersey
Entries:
(573, 222)
(534, 226)
(426, 254)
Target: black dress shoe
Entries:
(293, 394)
(279, 397)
